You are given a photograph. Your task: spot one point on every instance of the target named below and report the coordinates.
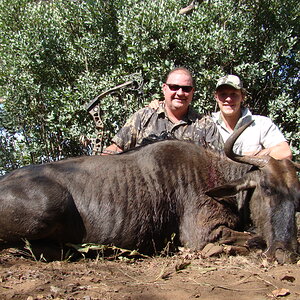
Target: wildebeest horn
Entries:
(251, 160)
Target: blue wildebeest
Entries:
(138, 199)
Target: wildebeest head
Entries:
(275, 198)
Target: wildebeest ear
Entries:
(231, 188)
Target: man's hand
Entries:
(111, 149)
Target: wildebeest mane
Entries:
(164, 136)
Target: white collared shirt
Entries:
(263, 133)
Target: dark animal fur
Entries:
(137, 200)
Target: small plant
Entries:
(105, 251)
(170, 246)
(28, 247)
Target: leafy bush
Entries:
(56, 56)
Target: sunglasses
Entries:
(176, 87)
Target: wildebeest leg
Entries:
(240, 242)
(231, 237)
(37, 208)
(210, 222)
(233, 242)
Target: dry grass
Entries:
(183, 276)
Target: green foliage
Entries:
(107, 252)
(56, 56)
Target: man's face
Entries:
(178, 98)
(229, 100)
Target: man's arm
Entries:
(127, 136)
(279, 151)
(272, 139)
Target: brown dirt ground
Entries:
(184, 276)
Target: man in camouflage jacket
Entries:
(176, 117)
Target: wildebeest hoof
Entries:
(232, 237)
(236, 250)
(284, 257)
(211, 250)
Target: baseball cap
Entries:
(231, 80)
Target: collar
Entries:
(191, 115)
(245, 117)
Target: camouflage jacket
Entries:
(146, 121)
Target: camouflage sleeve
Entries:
(127, 136)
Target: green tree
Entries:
(58, 55)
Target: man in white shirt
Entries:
(262, 137)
